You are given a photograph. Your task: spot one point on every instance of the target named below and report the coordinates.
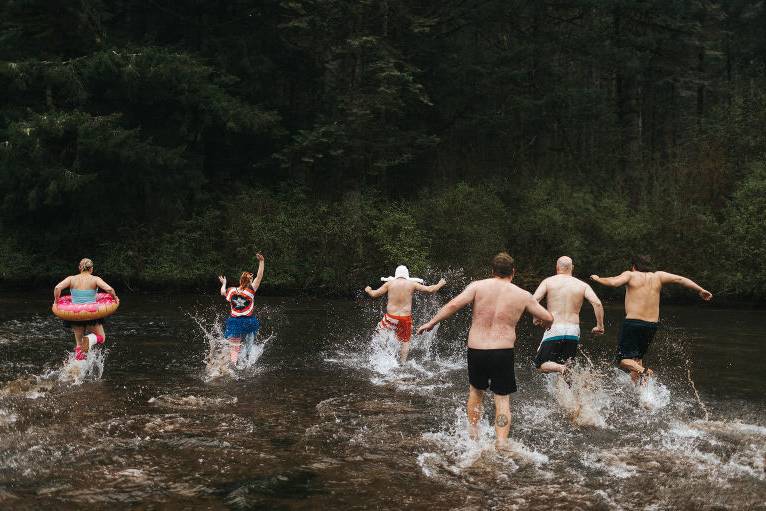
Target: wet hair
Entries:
(502, 265)
(642, 262)
(85, 265)
(245, 279)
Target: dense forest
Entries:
(171, 140)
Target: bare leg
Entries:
(502, 421)
(94, 335)
(403, 351)
(635, 367)
(552, 367)
(235, 346)
(475, 399)
(78, 332)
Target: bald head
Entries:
(564, 265)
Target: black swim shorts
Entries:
(84, 324)
(492, 369)
(555, 351)
(635, 337)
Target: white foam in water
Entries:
(585, 401)
(654, 395)
(6, 417)
(458, 451)
(75, 372)
(383, 355)
(610, 463)
(217, 359)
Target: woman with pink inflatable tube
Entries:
(84, 309)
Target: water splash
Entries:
(217, 358)
(75, 372)
(583, 397)
(458, 452)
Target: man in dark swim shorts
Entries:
(493, 370)
(635, 337)
(497, 306)
(642, 311)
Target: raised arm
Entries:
(106, 287)
(539, 313)
(620, 280)
(669, 278)
(259, 276)
(222, 280)
(430, 289)
(375, 293)
(598, 309)
(454, 305)
(60, 287)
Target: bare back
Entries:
(497, 306)
(642, 296)
(564, 298)
(400, 293)
(83, 281)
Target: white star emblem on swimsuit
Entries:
(239, 302)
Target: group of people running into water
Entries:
(497, 306)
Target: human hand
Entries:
(706, 295)
(222, 280)
(367, 289)
(117, 299)
(546, 323)
(536, 322)
(260, 257)
(595, 277)
(598, 330)
(442, 282)
(425, 328)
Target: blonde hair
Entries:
(85, 264)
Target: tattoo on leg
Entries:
(501, 421)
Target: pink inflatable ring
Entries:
(104, 306)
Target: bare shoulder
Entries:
(520, 291)
(477, 284)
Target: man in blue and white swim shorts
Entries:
(564, 295)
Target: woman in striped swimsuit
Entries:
(241, 322)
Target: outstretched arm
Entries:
(539, 313)
(620, 280)
(60, 287)
(259, 276)
(451, 308)
(598, 310)
(375, 293)
(106, 287)
(222, 279)
(669, 278)
(430, 289)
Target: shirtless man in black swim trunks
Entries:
(497, 306)
(642, 311)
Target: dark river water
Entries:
(320, 416)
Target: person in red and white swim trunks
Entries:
(241, 322)
(398, 317)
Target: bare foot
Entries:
(503, 446)
(644, 377)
